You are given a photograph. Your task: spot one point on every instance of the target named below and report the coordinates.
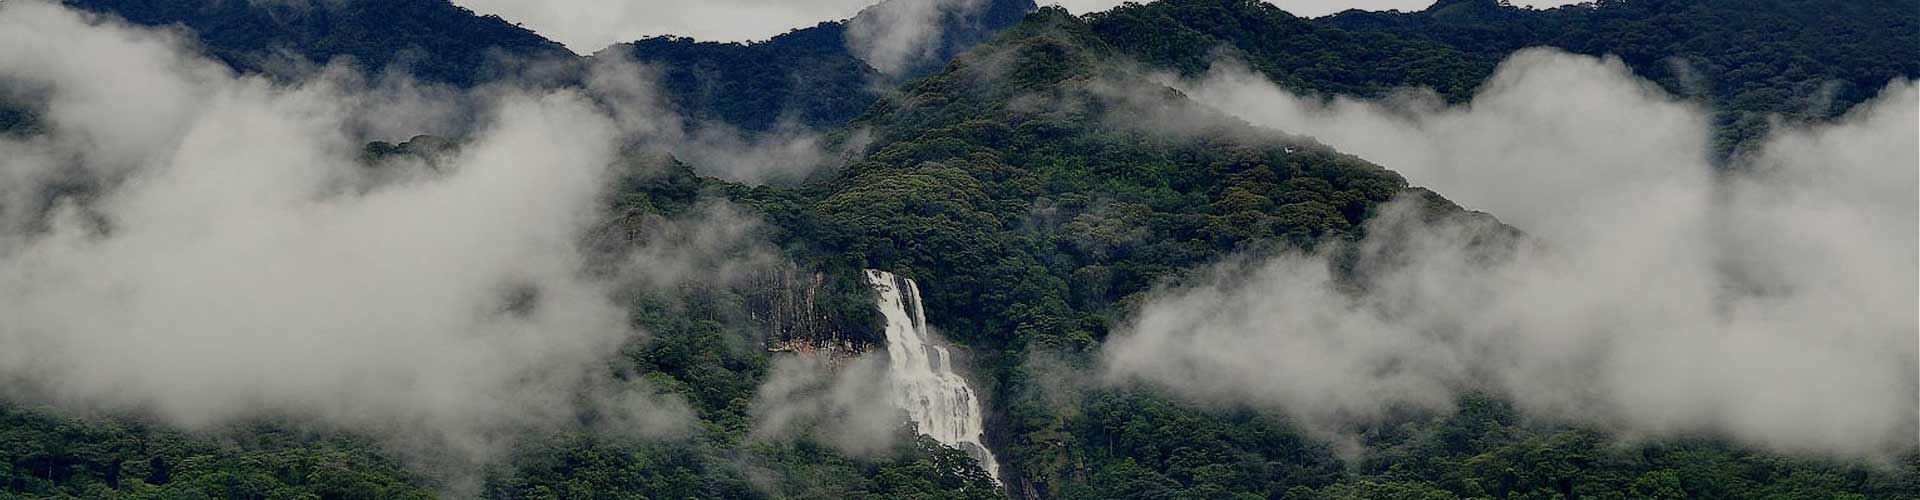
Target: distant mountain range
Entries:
(810, 76)
(433, 40)
(1749, 59)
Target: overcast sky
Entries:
(590, 25)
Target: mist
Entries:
(894, 35)
(1770, 301)
(208, 248)
(840, 402)
(629, 92)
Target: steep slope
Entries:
(433, 40)
(1023, 191)
(1040, 186)
(1042, 120)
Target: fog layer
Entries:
(210, 247)
(1771, 301)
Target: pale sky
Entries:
(590, 25)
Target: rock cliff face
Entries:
(799, 311)
(787, 303)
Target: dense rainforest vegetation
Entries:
(1015, 184)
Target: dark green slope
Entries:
(1014, 186)
(433, 40)
(1044, 119)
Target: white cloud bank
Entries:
(229, 257)
(1774, 304)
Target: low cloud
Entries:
(1653, 294)
(721, 150)
(845, 405)
(715, 244)
(895, 35)
(208, 248)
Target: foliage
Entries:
(43, 456)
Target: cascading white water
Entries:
(938, 400)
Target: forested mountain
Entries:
(1030, 181)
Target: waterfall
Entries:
(938, 400)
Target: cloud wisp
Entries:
(895, 35)
(843, 404)
(630, 92)
(1771, 302)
